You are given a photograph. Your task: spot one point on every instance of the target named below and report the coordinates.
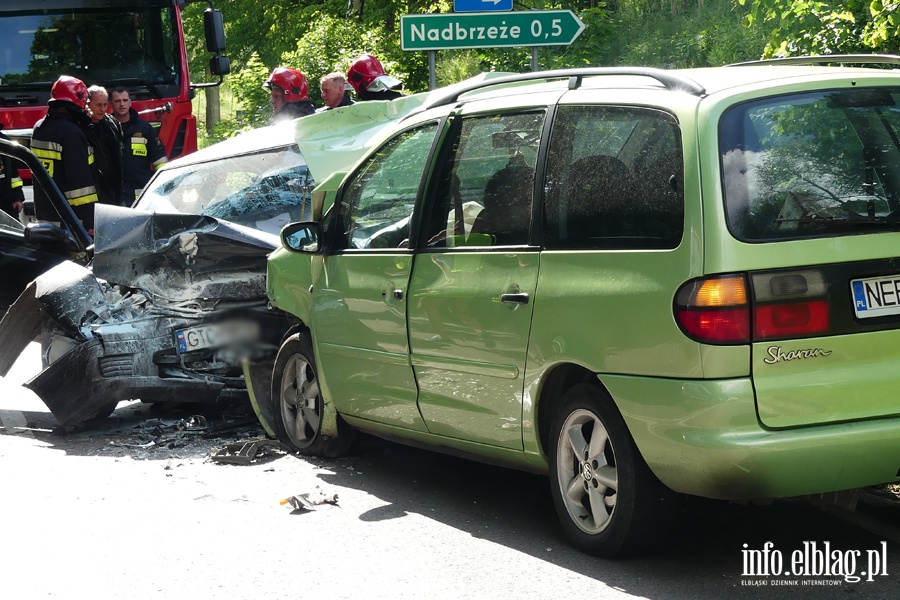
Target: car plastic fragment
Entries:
(309, 500)
(244, 453)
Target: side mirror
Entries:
(48, 234)
(214, 30)
(219, 65)
(302, 237)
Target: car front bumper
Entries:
(92, 377)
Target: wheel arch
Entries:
(296, 327)
(555, 384)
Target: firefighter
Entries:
(105, 135)
(60, 142)
(289, 94)
(334, 91)
(368, 78)
(12, 197)
(142, 151)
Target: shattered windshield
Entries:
(264, 190)
(105, 46)
(812, 164)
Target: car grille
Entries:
(120, 365)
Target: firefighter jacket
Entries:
(345, 101)
(60, 142)
(106, 138)
(141, 153)
(10, 185)
(293, 110)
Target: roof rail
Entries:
(824, 59)
(669, 79)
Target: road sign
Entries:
(489, 30)
(462, 6)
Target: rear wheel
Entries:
(297, 399)
(607, 499)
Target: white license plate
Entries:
(215, 335)
(876, 296)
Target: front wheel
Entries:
(297, 399)
(607, 499)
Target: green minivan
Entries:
(641, 282)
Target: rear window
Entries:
(812, 164)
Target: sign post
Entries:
(489, 29)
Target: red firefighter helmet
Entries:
(70, 89)
(366, 73)
(292, 83)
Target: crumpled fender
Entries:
(20, 326)
(67, 293)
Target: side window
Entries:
(378, 200)
(485, 186)
(615, 180)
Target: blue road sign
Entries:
(481, 5)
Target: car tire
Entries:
(608, 501)
(297, 399)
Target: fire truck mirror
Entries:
(214, 30)
(219, 65)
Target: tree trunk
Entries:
(213, 112)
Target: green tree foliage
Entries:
(816, 27)
(677, 35)
(246, 84)
(320, 36)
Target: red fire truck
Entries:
(136, 44)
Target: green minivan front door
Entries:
(471, 294)
(359, 302)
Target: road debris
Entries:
(309, 500)
(244, 453)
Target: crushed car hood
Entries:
(180, 257)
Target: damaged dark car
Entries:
(173, 301)
(26, 252)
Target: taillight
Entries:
(715, 310)
(789, 304)
(722, 309)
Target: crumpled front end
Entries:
(188, 307)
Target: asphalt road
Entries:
(103, 514)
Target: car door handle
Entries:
(514, 298)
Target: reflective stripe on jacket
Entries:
(59, 141)
(142, 152)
